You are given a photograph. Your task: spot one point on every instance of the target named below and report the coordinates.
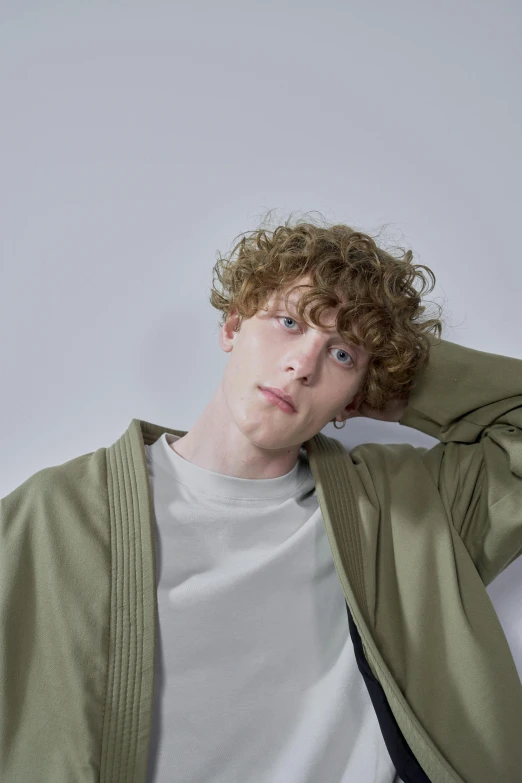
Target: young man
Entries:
(249, 601)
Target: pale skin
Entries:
(239, 433)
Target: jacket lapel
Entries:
(350, 515)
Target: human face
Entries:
(320, 371)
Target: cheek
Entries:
(243, 369)
(252, 354)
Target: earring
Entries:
(340, 426)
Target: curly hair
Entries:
(380, 308)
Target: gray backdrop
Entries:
(137, 139)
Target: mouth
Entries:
(277, 397)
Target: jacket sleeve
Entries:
(471, 401)
(55, 593)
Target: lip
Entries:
(281, 394)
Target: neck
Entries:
(216, 443)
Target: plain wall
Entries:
(137, 140)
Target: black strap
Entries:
(406, 764)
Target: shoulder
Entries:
(57, 497)
(378, 453)
(385, 462)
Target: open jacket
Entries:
(416, 536)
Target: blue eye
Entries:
(350, 363)
(287, 318)
(345, 353)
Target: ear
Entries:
(227, 333)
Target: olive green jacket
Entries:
(416, 535)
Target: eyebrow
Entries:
(280, 299)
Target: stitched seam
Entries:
(120, 633)
(109, 678)
(136, 701)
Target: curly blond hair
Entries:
(380, 307)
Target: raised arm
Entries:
(472, 402)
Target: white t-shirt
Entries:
(256, 678)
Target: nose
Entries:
(304, 359)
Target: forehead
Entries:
(293, 292)
(301, 284)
